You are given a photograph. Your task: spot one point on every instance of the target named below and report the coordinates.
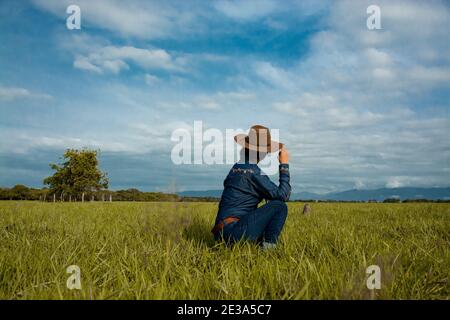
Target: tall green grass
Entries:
(165, 251)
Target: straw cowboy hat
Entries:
(258, 139)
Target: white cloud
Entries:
(326, 111)
(83, 63)
(151, 79)
(378, 57)
(220, 101)
(147, 58)
(134, 138)
(206, 103)
(273, 75)
(405, 181)
(246, 9)
(140, 19)
(394, 182)
(433, 75)
(236, 96)
(359, 184)
(114, 59)
(14, 93)
(383, 74)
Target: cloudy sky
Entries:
(357, 108)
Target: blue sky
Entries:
(357, 108)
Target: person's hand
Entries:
(283, 156)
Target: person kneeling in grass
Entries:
(245, 187)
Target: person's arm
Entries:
(270, 190)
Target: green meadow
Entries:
(164, 250)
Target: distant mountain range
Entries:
(352, 195)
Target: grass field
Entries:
(165, 251)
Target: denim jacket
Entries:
(245, 187)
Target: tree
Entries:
(77, 175)
(20, 192)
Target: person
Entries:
(245, 186)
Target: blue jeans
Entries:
(262, 224)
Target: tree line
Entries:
(78, 178)
(21, 192)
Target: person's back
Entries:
(245, 187)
